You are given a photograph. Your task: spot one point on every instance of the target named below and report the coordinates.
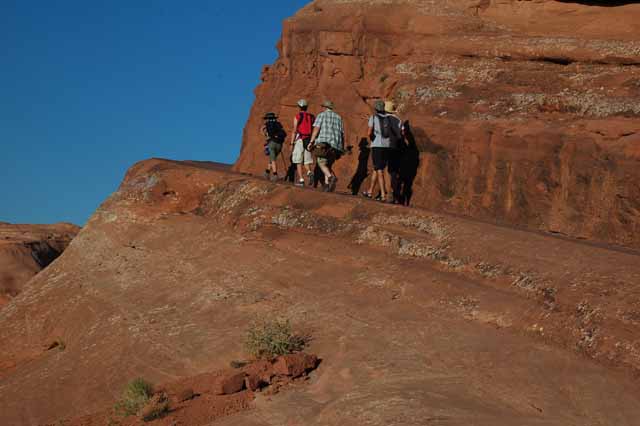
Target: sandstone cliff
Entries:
(523, 112)
(26, 249)
(415, 315)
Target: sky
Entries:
(88, 88)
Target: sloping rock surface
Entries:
(27, 249)
(523, 112)
(417, 317)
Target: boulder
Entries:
(294, 365)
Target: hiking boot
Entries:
(266, 174)
(300, 183)
(274, 178)
(310, 178)
(332, 183)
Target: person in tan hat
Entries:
(327, 142)
(395, 150)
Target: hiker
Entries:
(381, 130)
(327, 142)
(274, 138)
(396, 150)
(300, 139)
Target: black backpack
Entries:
(385, 125)
(275, 131)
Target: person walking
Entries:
(274, 138)
(327, 143)
(379, 128)
(396, 150)
(300, 140)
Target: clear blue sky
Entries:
(90, 87)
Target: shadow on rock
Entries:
(410, 161)
(362, 171)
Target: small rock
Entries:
(238, 364)
(295, 365)
(253, 382)
(230, 384)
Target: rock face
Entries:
(414, 315)
(523, 112)
(27, 249)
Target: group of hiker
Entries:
(322, 138)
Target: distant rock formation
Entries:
(27, 249)
(523, 112)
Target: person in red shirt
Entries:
(300, 138)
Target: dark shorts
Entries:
(395, 157)
(380, 158)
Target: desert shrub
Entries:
(135, 396)
(272, 337)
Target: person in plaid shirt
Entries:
(328, 137)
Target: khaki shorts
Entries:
(274, 150)
(301, 155)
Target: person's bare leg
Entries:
(374, 180)
(310, 174)
(274, 168)
(300, 175)
(326, 171)
(383, 187)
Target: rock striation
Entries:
(522, 112)
(27, 249)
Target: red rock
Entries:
(230, 384)
(529, 121)
(295, 365)
(110, 310)
(253, 382)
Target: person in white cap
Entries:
(300, 139)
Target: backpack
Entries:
(305, 124)
(385, 125)
(275, 131)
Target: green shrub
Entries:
(272, 337)
(135, 396)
